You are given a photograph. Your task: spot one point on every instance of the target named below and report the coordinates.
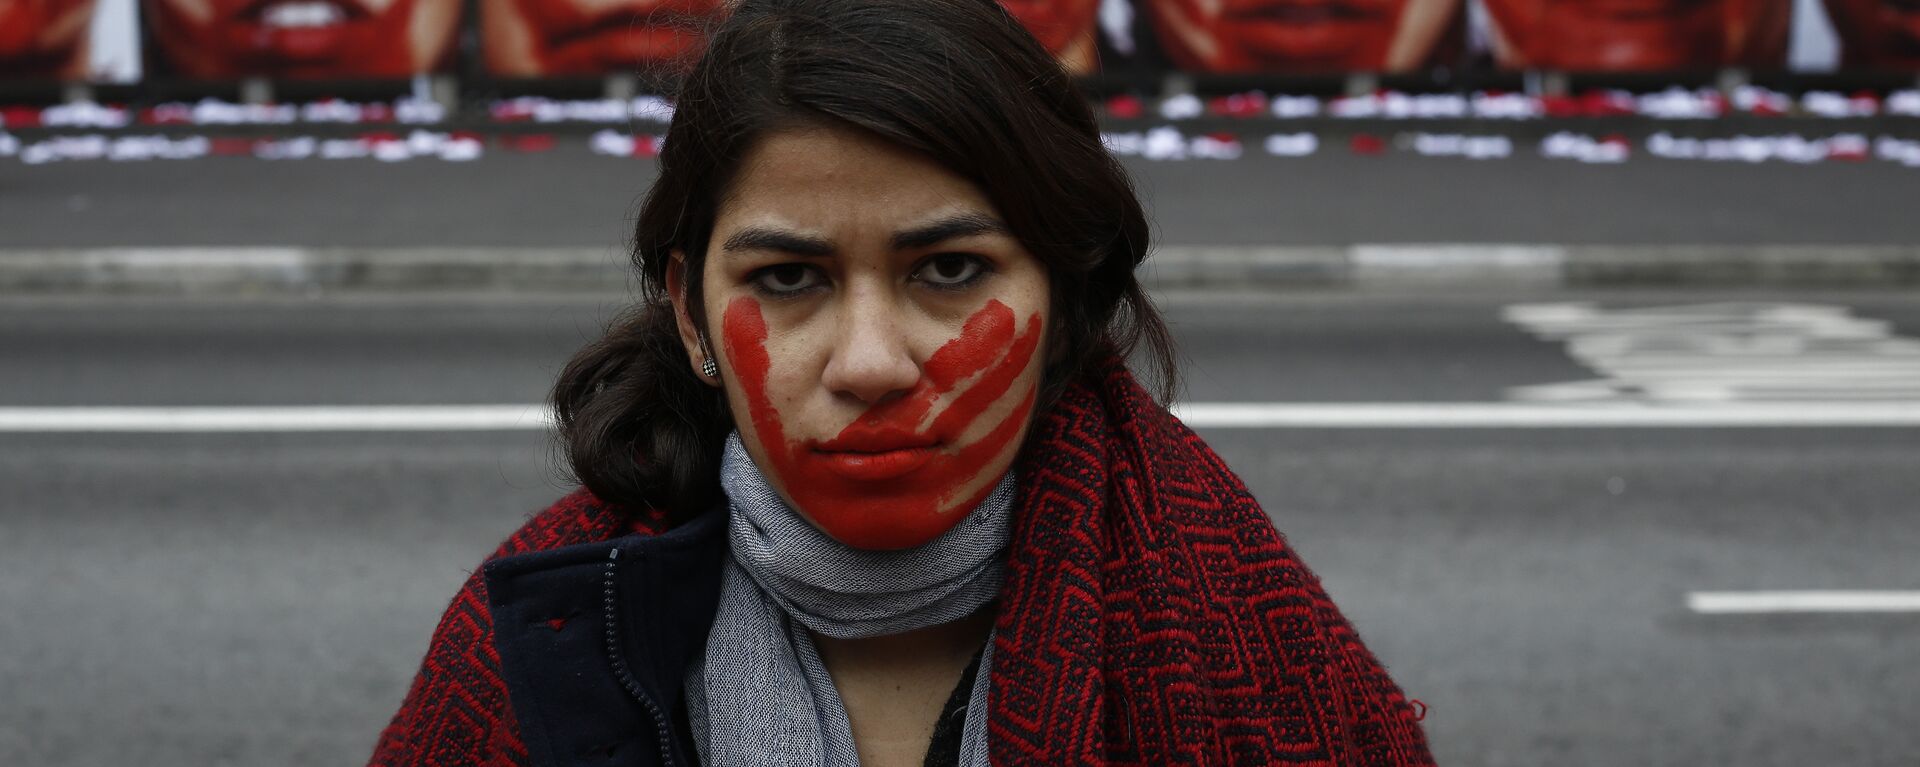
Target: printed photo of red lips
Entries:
(220, 39)
(906, 470)
(1877, 34)
(44, 39)
(537, 38)
(1301, 36)
(1066, 28)
(1637, 35)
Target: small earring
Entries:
(708, 367)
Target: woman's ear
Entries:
(690, 337)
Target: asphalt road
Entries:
(571, 197)
(244, 599)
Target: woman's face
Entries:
(44, 38)
(1300, 35)
(1634, 35)
(303, 38)
(533, 38)
(879, 331)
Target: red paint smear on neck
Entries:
(909, 510)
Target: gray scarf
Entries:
(761, 696)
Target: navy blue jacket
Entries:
(594, 641)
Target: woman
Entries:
(866, 477)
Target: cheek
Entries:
(1007, 381)
(744, 343)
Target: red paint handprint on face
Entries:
(899, 475)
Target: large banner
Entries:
(123, 40)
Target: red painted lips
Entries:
(876, 467)
(873, 453)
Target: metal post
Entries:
(256, 90)
(622, 86)
(1362, 84)
(76, 92)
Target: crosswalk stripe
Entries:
(1764, 602)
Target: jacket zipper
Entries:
(620, 671)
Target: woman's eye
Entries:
(787, 278)
(951, 270)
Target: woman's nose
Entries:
(872, 360)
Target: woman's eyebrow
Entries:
(924, 235)
(768, 238)
(958, 225)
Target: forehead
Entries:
(842, 181)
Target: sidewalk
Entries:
(320, 270)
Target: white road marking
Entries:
(276, 419)
(1472, 415)
(1204, 415)
(1765, 602)
(1722, 352)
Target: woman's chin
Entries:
(877, 524)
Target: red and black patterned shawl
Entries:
(1152, 615)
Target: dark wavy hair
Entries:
(959, 81)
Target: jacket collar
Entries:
(594, 640)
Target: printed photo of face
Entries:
(44, 39)
(1300, 36)
(1637, 35)
(1066, 28)
(879, 331)
(1877, 34)
(536, 38)
(220, 39)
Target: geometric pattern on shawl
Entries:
(1152, 615)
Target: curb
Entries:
(298, 270)
(1447, 265)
